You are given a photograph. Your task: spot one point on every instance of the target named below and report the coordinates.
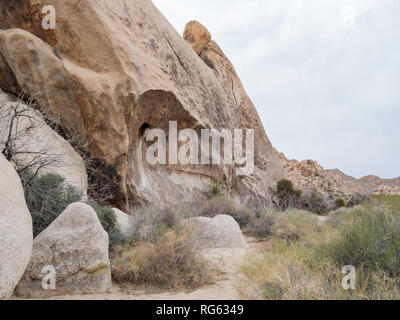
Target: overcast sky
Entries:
(323, 74)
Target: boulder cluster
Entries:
(309, 175)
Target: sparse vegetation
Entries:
(357, 200)
(340, 203)
(310, 266)
(46, 197)
(371, 242)
(220, 205)
(262, 225)
(214, 190)
(286, 195)
(290, 225)
(390, 201)
(315, 203)
(105, 214)
(170, 263)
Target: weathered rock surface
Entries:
(38, 146)
(309, 175)
(243, 112)
(109, 71)
(382, 186)
(124, 223)
(76, 245)
(197, 36)
(16, 235)
(220, 232)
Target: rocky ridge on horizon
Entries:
(309, 175)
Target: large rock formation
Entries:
(382, 186)
(36, 146)
(16, 235)
(111, 70)
(309, 175)
(76, 245)
(241, 111)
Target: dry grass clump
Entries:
(150, 223)
(170, 263)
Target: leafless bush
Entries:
(20, 125)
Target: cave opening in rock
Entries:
(143, 128)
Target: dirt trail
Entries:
(226, 261)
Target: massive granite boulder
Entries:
(221, 231)
(112, 70)
(16, 235)
(76, 246)
(36, 146)
(242, 113)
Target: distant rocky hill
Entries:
(310, 175)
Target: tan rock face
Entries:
(110, 70)
(242, 113)
(197, 36)
(16, 235)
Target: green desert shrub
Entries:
(340, 203)
(108, 220)
(105, 214)
(116, 238)
(287, 196)
(46, 197)
(372, 241)
(214, 190)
